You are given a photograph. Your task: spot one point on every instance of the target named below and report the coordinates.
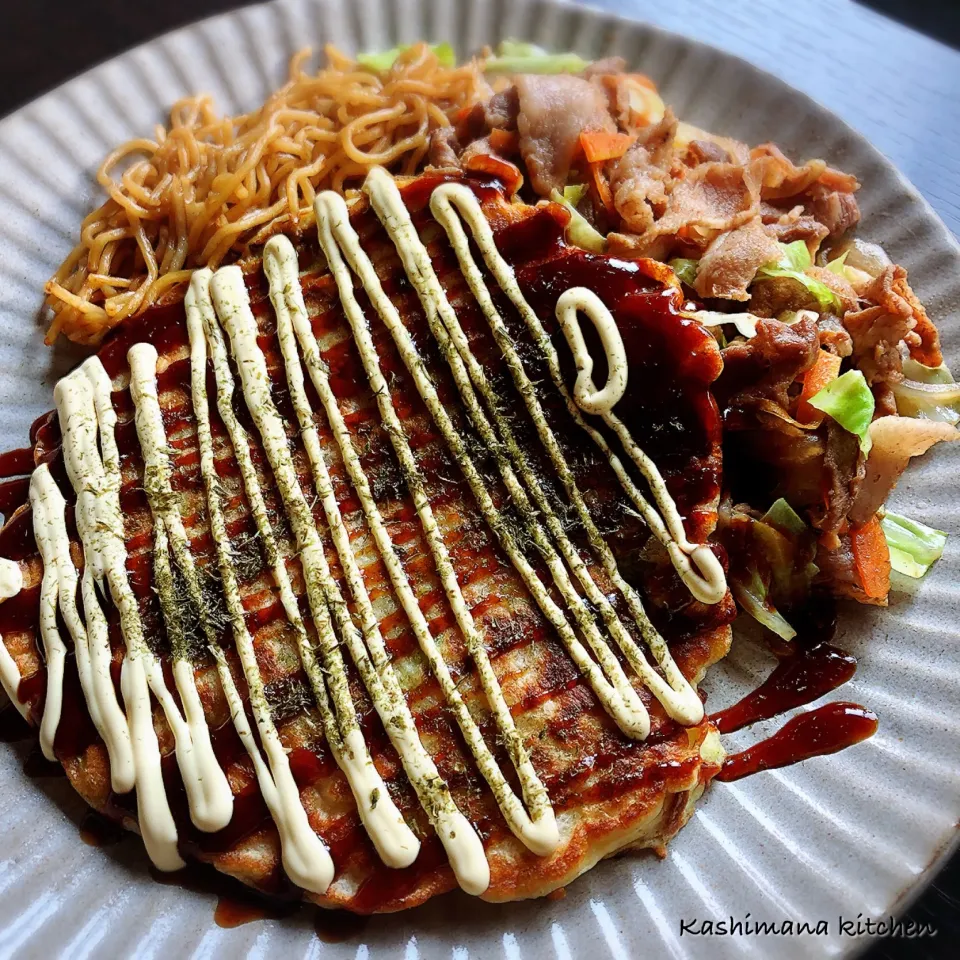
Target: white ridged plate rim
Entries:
(859, 832)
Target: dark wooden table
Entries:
(898, 87)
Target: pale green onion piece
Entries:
(914, 547)
(685, 269)
(752, 597)
(782, 515)
(579, 230)
(793, 262)
(849, 401)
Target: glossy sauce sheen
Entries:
(810, 667)
(832, 727)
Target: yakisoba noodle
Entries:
(206, 188)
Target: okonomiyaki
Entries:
(393, 600)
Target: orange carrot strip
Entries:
(603, 188)
(871, 557)
(824, 371)
(599, 145)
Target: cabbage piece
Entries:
(794, 261)
(752, 596)
(746, 323)
(579, 230)
(849, 401)
(685, 269)
(928, 393)
(574, 193)
(914, 547)
(382, 62)
(515, 57)
(783, 516)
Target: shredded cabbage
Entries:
(849, 401)
(515, 57)
(752, 596)
(579, 230)
(793, 263)
(382, 62)
(914, 547)
(685, 269)
(782, 515)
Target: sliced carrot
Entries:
(504, 141)
(824, 371)
(871, 557)
(603, 188)
(599, 145)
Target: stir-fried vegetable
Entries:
(927, 392)
(793, 263)
(871, 557)
(579, 230)
(600, 145)
(849, 401)
(822, 373)
(382, 62)
(784, 517)
(914, 547)
(685, 269)
(515, 57)
(751, 594)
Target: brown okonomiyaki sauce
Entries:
(810, 667)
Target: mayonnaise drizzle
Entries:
(11, 583)
(394, 839)
(59, 579)
(11, 579)
(339, 239)
(458, 836)
(708, 582)
(448, 204)
(585, 392)
(608, 679)
(710, 588)
(395, 842)
(84, 409)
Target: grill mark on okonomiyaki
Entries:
(368, 527)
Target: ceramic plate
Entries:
(850, 834)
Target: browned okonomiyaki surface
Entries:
(608, 791)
